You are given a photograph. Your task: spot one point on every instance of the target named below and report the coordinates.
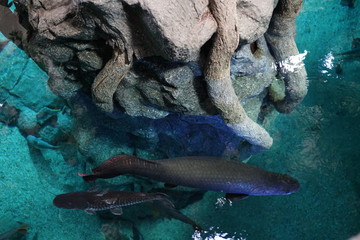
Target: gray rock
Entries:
(146, 58)
(156, 87)
(50, 134)
(65, 122)
(46, 114)
(192, 19)
(253, 18)
(89, 60)
(27, 119)
(58, 52)
(148, 28)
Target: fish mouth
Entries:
(293, 185)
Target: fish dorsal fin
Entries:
(116, 211)
(121, 161)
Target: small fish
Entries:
(351, 55)
(40, 144)
(16, 233)
(207, 173)
(91, 201)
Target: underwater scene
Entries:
(173, 120)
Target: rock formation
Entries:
(151, 58)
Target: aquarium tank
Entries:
(175, 120)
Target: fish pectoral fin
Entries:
(102, 192)
(235, 196)
(116, 211)
(110, 201)
(89, 211)
(169, 185)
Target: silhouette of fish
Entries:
(208, 173)
(91, 201)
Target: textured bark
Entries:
(217, 76)
(108, 80)
(281, 40)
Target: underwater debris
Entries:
(207, 173)
(15, 234)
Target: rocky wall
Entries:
(146, 58)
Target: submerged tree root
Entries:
(281, 39)
(107, 81)
(217, 76)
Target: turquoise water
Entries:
(319, 144)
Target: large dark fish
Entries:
(207, 173)
(92, 201)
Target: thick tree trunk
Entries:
(107, 81)
(281, 39)
(217, 76)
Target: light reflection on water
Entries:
(222, 201)
(293, 63)
(213, 234)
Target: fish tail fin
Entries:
(88, 177)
